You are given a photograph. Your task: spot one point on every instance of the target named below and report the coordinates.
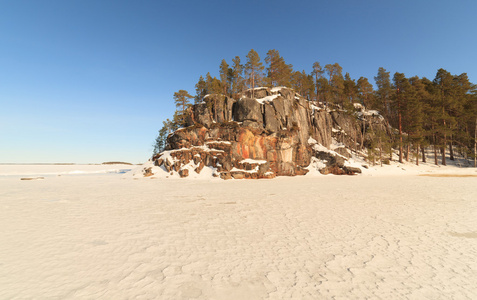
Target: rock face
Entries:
(274, 134)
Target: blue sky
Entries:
(90, 81)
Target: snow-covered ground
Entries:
(385, 234)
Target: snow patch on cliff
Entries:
(266, 99)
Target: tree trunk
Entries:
(355, 147)
(215, 109)
(390, 152)
(408, 149)
(400, 139)
(362, 137)
(444, 147)
(380, 152)
(451, 150)
(443, 153)
(400, 128)
(475, 144)
(423, 150)
(417, 155)
(317, 97)
(253, 85)
(436, 162)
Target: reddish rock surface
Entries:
(259, 138)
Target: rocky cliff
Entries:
(278, 133)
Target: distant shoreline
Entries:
(52, 164)
(69, 164)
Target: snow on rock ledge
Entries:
(277, 133)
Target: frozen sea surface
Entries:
(116, 237)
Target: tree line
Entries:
(438, 114)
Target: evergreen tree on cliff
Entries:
(168, 126)
(335, 82)
(318, 74)
(278, 72)
(181, 99)
(224, 72)
(365, 91)
(237, 79)
(303, 84)
(253, 69)
(200, 90)
(350, 91)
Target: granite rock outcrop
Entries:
(277, 133)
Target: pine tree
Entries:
(309, 86)
(350, 91)
(200, 90)
(444, 84)
(253, 69)
(433, 113)
(462, 114)
(324, 90)
(208, 84)
(297, 82)
(335, 82)
(383, 93)
(414, 113)
(278, 72)
(401, 86)
(237, 71)
(213, 85)
(224, 71)
(365, 91)
(160, 143)
(230, 80)
(303, 84)
(181, 99)
(318, 74)
(475, 143)
(427, 109)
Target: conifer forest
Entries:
(434, 116)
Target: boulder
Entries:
(263, 168)
(225, 175)
(247, 109)
(237, 174)
(259, 92)
(332, 170)
(288, 94)
(227, 165)
(147, 172)
(199, 167)
(352, 170)
(158, 162)
(183, 173)
(202, 115)
(343, 151)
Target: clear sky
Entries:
(88, 81)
